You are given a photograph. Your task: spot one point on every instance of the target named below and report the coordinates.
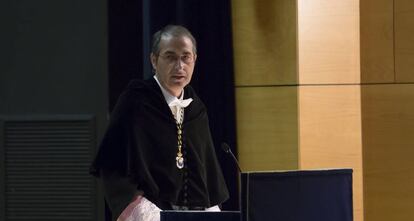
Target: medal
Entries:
(180, 162)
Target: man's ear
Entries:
(195, 57)
(153, 61)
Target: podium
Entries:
(200, 216)
(314, 195)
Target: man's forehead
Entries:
(174, 44)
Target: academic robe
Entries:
(138, 152)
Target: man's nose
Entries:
(179, 63)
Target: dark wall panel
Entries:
(53, 62)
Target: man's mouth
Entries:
(178, 77)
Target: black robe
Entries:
(140, 148)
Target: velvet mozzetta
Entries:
(141, 145)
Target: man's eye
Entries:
(188, 58)
(170, 57)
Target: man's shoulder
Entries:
(133, 94)
(137, 93)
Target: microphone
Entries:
(226, 148)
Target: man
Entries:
(157, 153)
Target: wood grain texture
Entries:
(377, 41)
(330, 132)
(404, 40)
(264, 41)
(328, 41)
(267, 128)
(387, 128)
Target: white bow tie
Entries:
(180, 103)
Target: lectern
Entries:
(318, 195)
(313, 195)
(200, 216)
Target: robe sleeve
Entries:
(111, 162)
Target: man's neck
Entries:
(177, 93)
(167, 94)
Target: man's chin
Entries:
(179, 82)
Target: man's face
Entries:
(174, 65)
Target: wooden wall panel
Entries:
(377, 41)
(330, 132)
(404, 40)
(328, 41)
(264, 39)
(267, 128)
(387, 129)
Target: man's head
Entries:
(173, 57)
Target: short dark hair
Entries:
(171, 30)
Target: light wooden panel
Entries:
(404, 40)
(388, 129)
(267, 132)
(264, 40)
(377, 41)
(330, 132)
(328, 41)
